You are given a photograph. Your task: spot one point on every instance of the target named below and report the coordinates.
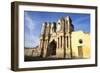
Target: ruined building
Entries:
(59, 40)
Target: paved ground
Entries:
(37, 58)
(41, 59)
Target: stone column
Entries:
(40, 43)
(59, 42)
(63, 42)
(46, 48)
(69, 46)
(44, 52)
(63, 46)
(42, 48)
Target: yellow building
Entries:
(80, 44)
(59, 40)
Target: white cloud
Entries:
(29, 22)
(30, 40)
(80, 19)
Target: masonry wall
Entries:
(76, 36)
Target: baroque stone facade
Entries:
(59, 40)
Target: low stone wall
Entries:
(32, 52)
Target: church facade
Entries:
(59, 40)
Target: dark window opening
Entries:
(80, 41)
(67, 41)
(58, 42)
(61, 41)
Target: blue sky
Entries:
(33, 21)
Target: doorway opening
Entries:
(52, 48)
(80, 51)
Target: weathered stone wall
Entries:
(32, 52)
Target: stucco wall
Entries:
(76, 36)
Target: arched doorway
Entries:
(51, 48)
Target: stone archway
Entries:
(51, 50)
